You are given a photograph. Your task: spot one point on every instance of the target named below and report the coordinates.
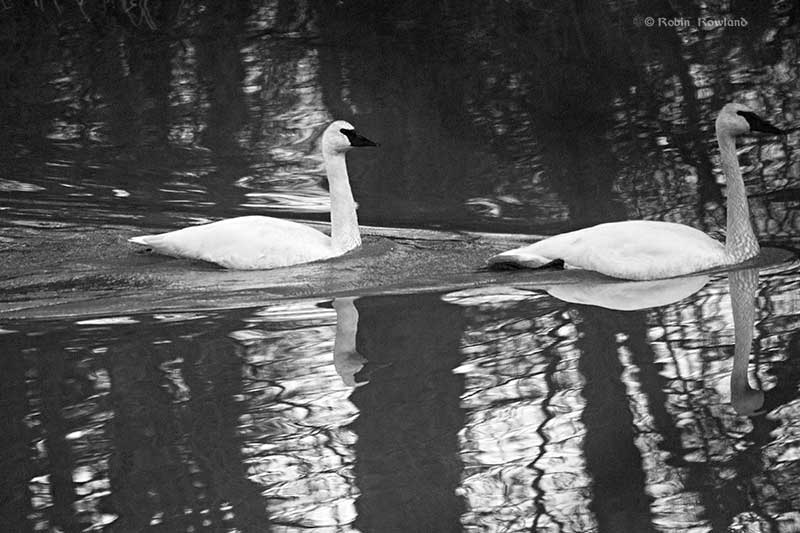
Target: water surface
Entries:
(401, 388)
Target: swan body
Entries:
(634, 249)
(648, 250)
(244, 243)
(260, 242)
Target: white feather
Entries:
(259, 242)
(634, 249)
(244, 243)
(648, 250)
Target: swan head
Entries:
(738, 119)
(748, 402)
(341, 136)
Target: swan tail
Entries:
(156, 242)
(521, 258)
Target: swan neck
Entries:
(346, 359)
(741, 243)
(344, 221)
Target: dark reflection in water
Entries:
(495, 116)
(221, 75)
(407, 466)
(511, 410)
(146, 473)
(514, 411)
(613, 461)
(15, 438)
(177, 459)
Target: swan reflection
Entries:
(629, 295)
(595, 289)
(346, 359)
(623, 295)
(743, 284)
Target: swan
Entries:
(259, 242)
(648, 250)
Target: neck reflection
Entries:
(743, 284)
(636, 295)
(346, 359)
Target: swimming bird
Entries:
(260, 242)
(648, 250)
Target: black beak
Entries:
(356, 139)
(759, 124)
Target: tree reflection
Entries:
(177, 459)
(613, 460)
(501, 105)
(57, 383)
(148, 475)
(221, 73)
(213, 372)
(407, 466)
(15, 461)
(559, 415)
(499, 115)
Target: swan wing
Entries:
(635, 249)
(244, 243)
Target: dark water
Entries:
(486, 409)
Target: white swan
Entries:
(647, 250)
(259, 242)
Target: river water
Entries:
(402, 388)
